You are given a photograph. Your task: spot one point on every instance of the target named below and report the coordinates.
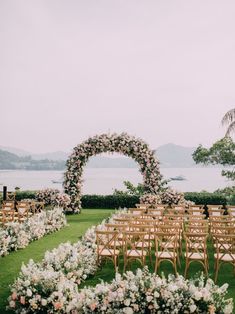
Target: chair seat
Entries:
(117, 243)
(166, 255)
(135, 253)
(143, 244)
(108, 252)
(225, 257)
(196, 256)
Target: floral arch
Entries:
(130, 146)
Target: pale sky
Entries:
(160, 70)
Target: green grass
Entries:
(78, 224)
(10, 265)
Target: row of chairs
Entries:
(20, 211)
(212, 210)
(136, 236)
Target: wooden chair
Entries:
(231, 210)
(7, 216)
(166, 249)
(178, 209)
(196, 250)
(8, 204)
(135, 247)
(11, 196)
(225, 251)
(215, 210)
(106, 246)
(22, 211)
(38, 207)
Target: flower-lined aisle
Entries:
(16, 235)
(52, 287)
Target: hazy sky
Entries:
(161, 70)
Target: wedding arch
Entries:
(123, 143)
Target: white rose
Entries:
(192, 308)
(149, 298)
(128, 310)
(127, 302)
(44, 302)
(29, 293)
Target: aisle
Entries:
(11, 264)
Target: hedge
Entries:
(116, 201)
(206, 198)
(109, 201)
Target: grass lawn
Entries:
(11, 264)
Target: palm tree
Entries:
(229, 119)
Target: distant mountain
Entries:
(11, 161)
(16, 151)
(169, 155)
(51, 156)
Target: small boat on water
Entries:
(178, 178)
(56, 182)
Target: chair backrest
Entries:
(8, 204)
(197, 229)
(137, 211)
(106, 240)
(166, 244)
(136, 242)
(121, 220)
(196, 243)
(215, 210)
(196, 211)
(225, 247)
(155, 211)
(196, 207)
(218, 230)
(11, 196)
(142, 206)
(7, 215)
(231, 210)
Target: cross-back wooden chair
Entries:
(120, 228)
(225, 251)
(11, 196)
(107, 246)
(215, 210)
(195, 211)
(166, 249)
(231, 210)
(196, 250)
(7, 216)
(22, 211)
(135, 247)
(8, 204)
(38, 207)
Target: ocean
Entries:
(106, 180)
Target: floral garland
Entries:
(168, 197)
(123, 143)
(15, 235)
(52, 287)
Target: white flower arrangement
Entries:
(150, 199)
(130, 146)
(15, 235)
(54, 198)
(52, 287)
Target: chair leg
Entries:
(186, 269)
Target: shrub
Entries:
(109, 201)
(206, 198)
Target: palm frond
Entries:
(229, 117)
(231, 129)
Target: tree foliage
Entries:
(221, 152)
